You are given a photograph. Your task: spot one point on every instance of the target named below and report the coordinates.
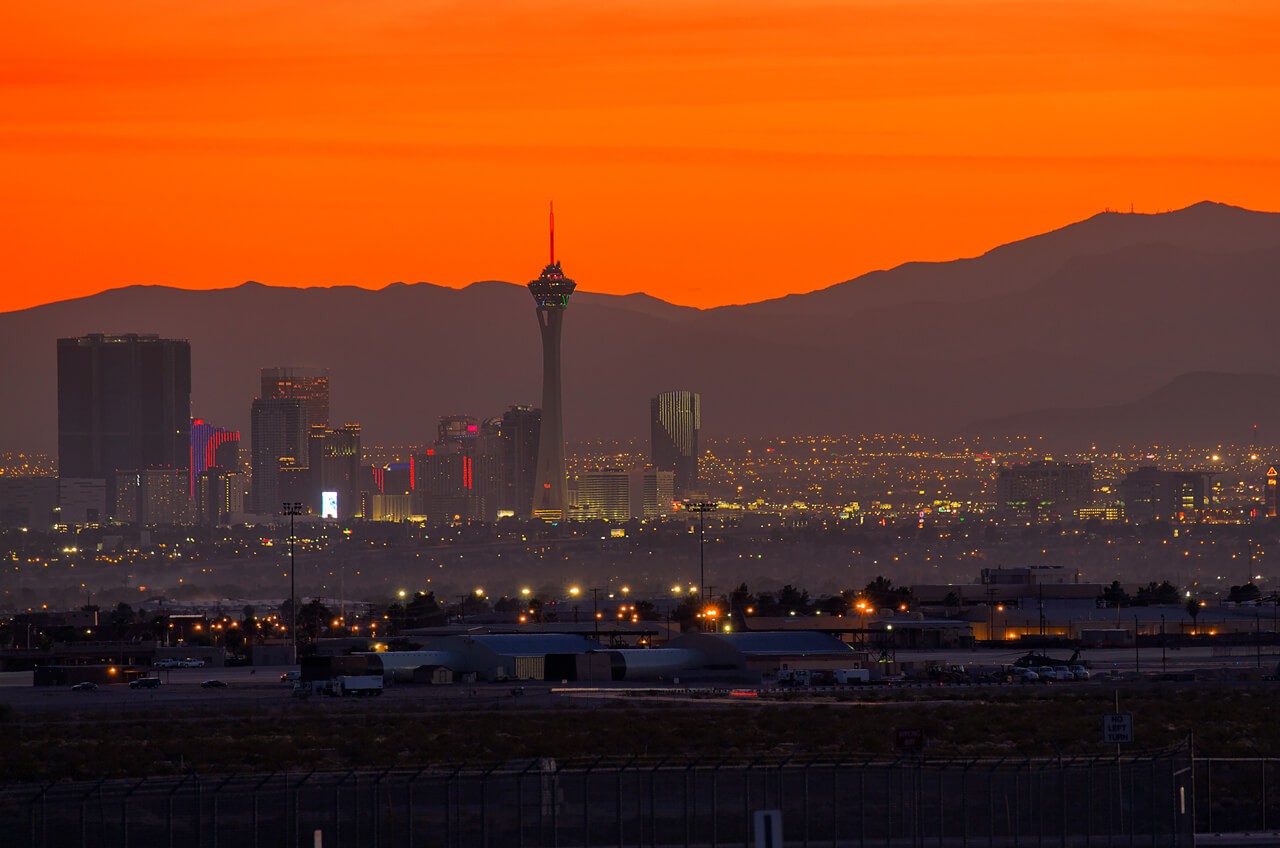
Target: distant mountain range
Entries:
(1202, 409)
(1174, 309)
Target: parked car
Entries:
(167, 662)
(1064, 672)
(291, 677)
(145, 683)
(1080, 672)
(1025, 675)
(213, 684)
(190, 663)
(85, 686)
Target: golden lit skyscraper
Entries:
(675, 419)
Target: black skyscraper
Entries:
(675, 419)
(521, 429)
(124, 403)
(310, 385)
(278, 431)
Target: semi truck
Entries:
(356, 684)
(847, 676)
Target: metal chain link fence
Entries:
(1133, 800)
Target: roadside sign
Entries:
(768, 830)
(1117, 728)
(909, 739)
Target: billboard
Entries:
(328, 504)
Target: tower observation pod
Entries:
(551, 292)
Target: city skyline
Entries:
(984, 316)
(911, 447)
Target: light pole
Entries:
(702, 508)
(1137, 658)
(595, 611)
(1164, 660)
(292, 509)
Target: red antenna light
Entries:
(553, 232)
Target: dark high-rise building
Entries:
(1044, 491)
(1150, 494)
(334, 460)
(278, 432)
(521, 426)
(460, 478)
(212, 447)
(551, 292)
(674, 420)
(310, 385)
(445, 488)
(394, 478)
(124, 403)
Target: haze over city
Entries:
(707, 153)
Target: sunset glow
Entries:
(704, 152)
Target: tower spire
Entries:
(553, 232)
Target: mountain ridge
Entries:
(1196, 210)
(1081, 329)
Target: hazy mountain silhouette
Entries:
(1205, 226)
(1092, 315)
(1201, 408)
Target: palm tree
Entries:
(1193, 610)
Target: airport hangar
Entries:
(743, 657)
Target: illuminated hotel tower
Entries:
(551, 292)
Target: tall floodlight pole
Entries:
(551, 292)
(292, 510)
(702, 508)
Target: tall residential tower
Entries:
(551, 292)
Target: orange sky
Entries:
(704, 151)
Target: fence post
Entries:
(1264, 793)
(804, 804)
(1208, 780)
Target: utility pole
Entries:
(595, 611)
(292, 510)
(991, 613)
(1137, 658)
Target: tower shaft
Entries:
(551, 486)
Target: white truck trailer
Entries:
(356, 684)
(847, 676)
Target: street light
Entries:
(702, 508)
(292, 509)
(1164, 660)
